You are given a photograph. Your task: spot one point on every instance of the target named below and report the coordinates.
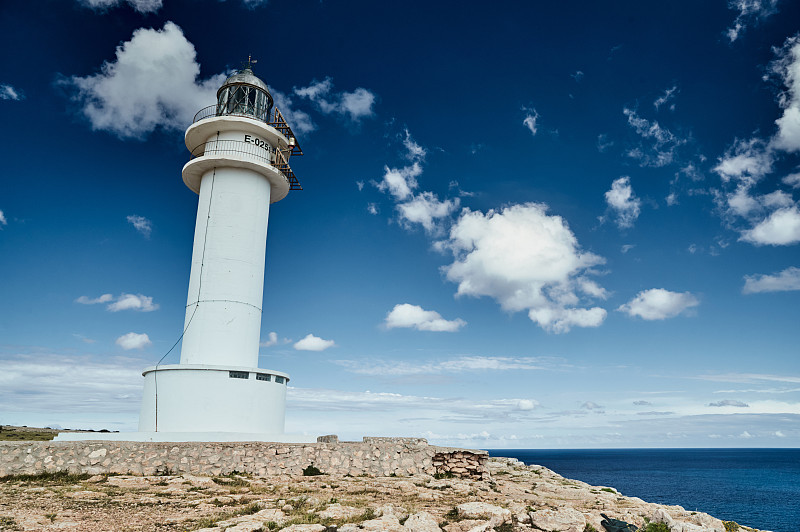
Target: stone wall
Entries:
(374, 457)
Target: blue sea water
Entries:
(759, 488)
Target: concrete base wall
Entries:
(382, 458)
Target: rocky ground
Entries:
(516, 498)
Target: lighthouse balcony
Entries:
(253, 150)
(266, 114)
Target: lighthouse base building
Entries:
(240, 149)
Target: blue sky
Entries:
(571, 225)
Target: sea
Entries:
(759, 488)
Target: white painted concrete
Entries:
(203, 398)
(226, 283)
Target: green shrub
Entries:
(731, 526)
(589, 528)
(311, 471)
(655, 527)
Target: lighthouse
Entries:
(239, 165)
(240, 149)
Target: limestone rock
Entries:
(421, 522)
(337, 511)
(303, 528)
(566, 519)
(391, 509)
(482, 509)
(386, 523)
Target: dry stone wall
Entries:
(373, 457)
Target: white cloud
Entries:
(750, 12)
(138, 302)
(400, 182)
(3, 220)
(659, 304)
(407, 315)
(746, 161)
(530, 120)
(589, 405)
(65, 383)
(313, 343)
(7, 92)
(396, 368)
(785, 281)
(668, 95)
(745, 435)
(272, 340)
(372, 208)
(142, 6)
(780, 228)
(787, 68)
(299, 120)
(603, 143)
(729, 402)
(141, 224)
(153, 83)
(85, 300)
(577, 76)
(662, 142)
(525, 259)
(793, 180)
(624, 202)
(425, 209)
(355, 105)
(133, 340)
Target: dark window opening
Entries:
(238, 375)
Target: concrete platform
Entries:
(184, 437)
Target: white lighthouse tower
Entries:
(240, 149)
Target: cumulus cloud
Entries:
(407, 315)
(152, 83)
(141, 224)
(137, 302)
(624, 202)
(661, 142)
(749, 12)
(528, 260)
(400, 182)
(354, 105)
(785, 281)
(133, 340)
(454, 365)
(7, 92)
(659, 304)
(780, 228)
(589, 405)
(313, 343)
(3, 220)
(729, 402)
(530, 120)
(426, 209)
(787, 68)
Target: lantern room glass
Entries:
(244, 100)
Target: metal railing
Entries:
(272, 117)
(245, 150)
